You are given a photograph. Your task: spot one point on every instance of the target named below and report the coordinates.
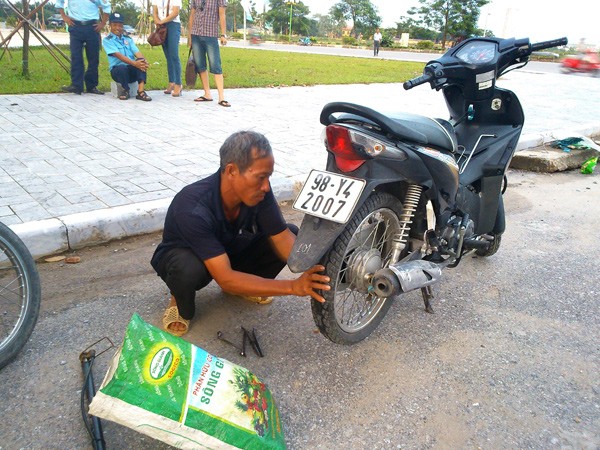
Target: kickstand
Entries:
(427, 293)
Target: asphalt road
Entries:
(510, 359)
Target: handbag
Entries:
(190, 71)
(159, 35)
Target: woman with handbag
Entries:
(169, 10)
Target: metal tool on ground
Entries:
(253, 341)
(222, 338)
(92, 424)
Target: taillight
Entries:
(350, 148)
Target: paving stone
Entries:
(69, 146)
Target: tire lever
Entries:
(253, 341)
(242, 350)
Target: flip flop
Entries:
(258, 300)
(254, 299)
(203, 99)
(224, 103)
(172, 316)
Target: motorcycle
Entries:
(305, 41)
(587, 62)
(405, 196)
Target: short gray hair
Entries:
(238, 147)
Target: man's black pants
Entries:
(184, 273)
(125, 74)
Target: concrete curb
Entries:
(76, 231)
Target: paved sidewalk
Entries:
(80, 170)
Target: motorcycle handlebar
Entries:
(417, 81)
(549, 44)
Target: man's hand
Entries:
(99, 26)
(310, 281)
(223, 40)
(141, 64)
(68, 20)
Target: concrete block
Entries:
(283, 189)
(97, 227)
(43, 237)
(548, 159)
(115, 92)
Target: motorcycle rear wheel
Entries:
(350, 313)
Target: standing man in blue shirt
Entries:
(125, 61)
(86, 19)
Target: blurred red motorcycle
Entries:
(586, 62)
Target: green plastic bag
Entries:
(588, 166)
(165, 387)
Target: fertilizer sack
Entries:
(165, 387)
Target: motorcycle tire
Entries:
(350, 313)
(21, 295)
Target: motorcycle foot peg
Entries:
(427, 293)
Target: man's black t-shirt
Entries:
(196, 220)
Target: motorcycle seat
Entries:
(415, 128)
(439, 132)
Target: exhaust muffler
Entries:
(405, 277)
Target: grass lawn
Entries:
(243, 68)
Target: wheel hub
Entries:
(361, 266)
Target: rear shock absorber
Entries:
(400, 239)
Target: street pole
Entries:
(291, 3)
(291, 11)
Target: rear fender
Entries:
(316, 235)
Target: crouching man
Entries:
(228, 227)
(125, 61)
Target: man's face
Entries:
(116, 28)
(252, 185)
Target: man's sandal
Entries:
(172, 316)
(141, 95)
(254, 298)
(258, 300)
(124, 96)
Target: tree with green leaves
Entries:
(414, 29)
(129, 10)
(235, 14)
(451, 18)
(278, 17)
(362, 13)
(327, 26)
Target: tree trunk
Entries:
(445, 29)
(25, 40)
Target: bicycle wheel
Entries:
(20, 294)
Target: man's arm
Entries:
(100, 25)
(223, 22)
(60, 5)
(190, 22)
(139, 63)
(241, 283)
(282, 243)
(104, 7)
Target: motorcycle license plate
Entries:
(329, 196)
